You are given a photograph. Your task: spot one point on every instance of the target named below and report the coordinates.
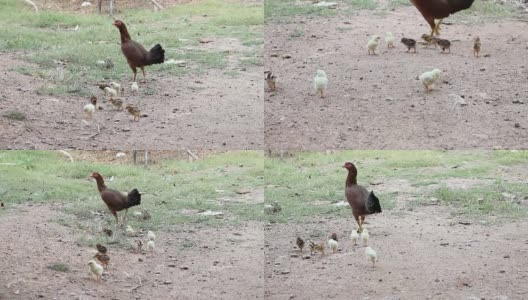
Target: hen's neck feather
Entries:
(125, 36)
(100, 184)
(351, 178)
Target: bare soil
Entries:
(377, 102)
(423, 254)
(223, 263)
(205, 111)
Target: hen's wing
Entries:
(135, 53)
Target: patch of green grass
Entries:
(174, 191)
(49, 37)
(279, 10)
(484, 11)
(15, 115)
(393, 4)
(307, 184)
(362, 4)
(59, 267)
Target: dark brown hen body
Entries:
(439, 9)
(360, 200)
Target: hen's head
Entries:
(349, 166)
(96, 175)
(118, 23)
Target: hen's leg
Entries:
(143, 70)
(436, 29)
(134, 69)
(359, 224)
(362, 220)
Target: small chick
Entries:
(151, 246)
(476, 47)
(444, 44)
(354, 236)
(108, 232)
(317, 248)
(110, 92)
(371, 255)
(151, 236)
(117, 103)
(389, 40)
(103, 259)
(116, 86)
(320, 82)
(365, 236)
(332, 243)
(96, 269)
(430, 40)
(139, 246)
(130, 231)
(409, 43)
(134, 87)
(300, 243)
(133, 111)
(271, 80)
(429, 78)
(89, 109)
(373, 44)
(102, 249)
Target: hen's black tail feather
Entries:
(373, 204)
(156, 55)
(134, 198)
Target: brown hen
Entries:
(360, 200)
(433, 10)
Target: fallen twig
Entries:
(32, 4)
(67, 154)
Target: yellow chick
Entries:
(320, 82)
(96, 269)
(110, 92)
(332, 243)
(151, 236)
(371, 255)
(90, 108)
(429, 78)
(134, 87)
(389, 40)
(151, 246)
(354, 237)
(116, 86)
(133, 111)
(373, 44)
(365, 236)
(130, 231)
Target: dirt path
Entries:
(207, 111)
(423, 254)
(377, 101)
(223, 263)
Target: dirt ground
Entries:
(376, 102)
(423, 254)
(224, 263)
(207, 111)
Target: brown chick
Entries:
(102, 249)
(409, 43)
(317, 248)
(133, 111)
(429, 40)
(2, 204)
(108, 231)
(271, 80)
(476, 47)
(444, 44)
(139, 246)
(104, 259)
(300, 243)
(117, 103)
